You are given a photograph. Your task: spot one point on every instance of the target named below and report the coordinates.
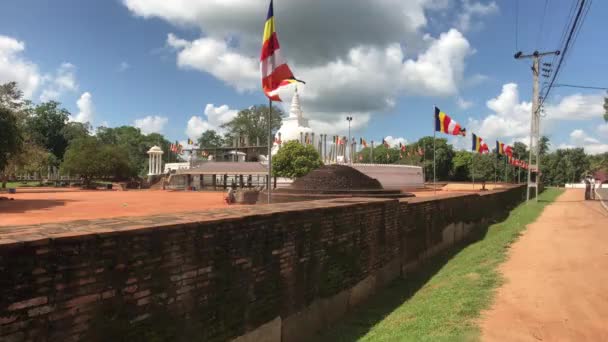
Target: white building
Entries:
(294, 127)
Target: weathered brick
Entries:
(41, 310)
(228, 269)
(27, 303)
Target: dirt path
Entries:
(556, 285)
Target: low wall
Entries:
(394, 176)
(261, 273)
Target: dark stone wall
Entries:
(215, 275)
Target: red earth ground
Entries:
(46, 205)
(49, 205)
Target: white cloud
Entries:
(123, 66)
(471, 10)
(463, 104)
(577, 107)
(13, 67)
(362, 67)
(56, 85)
(86, 109)
(151, 124)
(215, 57)
(580, 138)
(393, 142)
(215, 118)
(510, 117)
(303, 26)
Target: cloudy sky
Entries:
(182, 66)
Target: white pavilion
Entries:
(155, 162)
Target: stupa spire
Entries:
(296, 110)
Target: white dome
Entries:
(155, 150)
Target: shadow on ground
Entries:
(25, 205)
(356, 324)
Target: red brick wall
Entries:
(212, 275)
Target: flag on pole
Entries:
(275, 71)
(385, 143)
(445, 124)
(420, 151)
(478, 145)
(190, 142)
(363, 142)
(503, 149)
(402, 147)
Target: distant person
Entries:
(592, 180)
(587, 189)
(230, 196)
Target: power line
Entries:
(542, 23)
(579, 86)
(573, 28)
(516, 24)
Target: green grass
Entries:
(21, 184)
(443, 301)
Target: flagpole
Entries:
(506, 169)
(473, 173)
(269, 183)
(495, 167)
(434, 172)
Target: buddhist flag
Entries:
(190, 142)
(445, 124)
(385, 143)
(503, 149)
(274, 68)
(478, 145)
(363, 142)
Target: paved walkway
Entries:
(556, 285)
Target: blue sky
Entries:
(180, 67)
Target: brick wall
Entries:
(220, 274)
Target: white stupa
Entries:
(292, 125)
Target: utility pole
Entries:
(534, 156)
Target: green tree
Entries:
(45, 127)
(75, 130)
(11, 96)
(482, 167)
(565, 166)
(444, 154)
(134, 144)
(295, 160)
(13, 110)
(544, 145)
(91, 159)
(10, 138)
(598, 162)
(253, 122)
(210, 139)
(461, 166)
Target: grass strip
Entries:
(443, 301)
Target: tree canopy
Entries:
(295, 160)
(210, 139)
(253, 122)
(91, 159)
